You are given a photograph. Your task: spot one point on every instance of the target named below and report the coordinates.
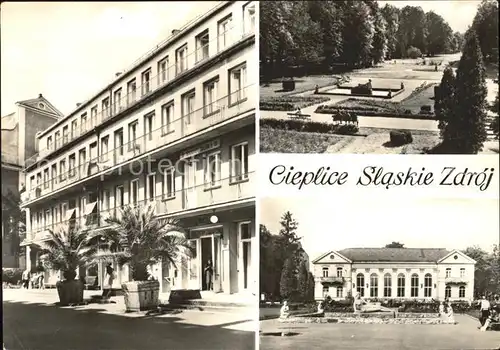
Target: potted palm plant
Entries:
(66, 251)
(137, 238)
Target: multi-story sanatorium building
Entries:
(186, 112)
(407, 273)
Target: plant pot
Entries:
(70, 292)
(141, 295)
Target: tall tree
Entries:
(288, 281)
(267, 263)
(495, 123)
(485, 24)
(395, 245)
(391, 17)
(487, 270)
(439, 34)
(458, 41)
(289, 228)
(444, 102)
(310, 286)
(357, 35)
(379, 48)
(467, 128)
(412, 29)
(302, 281)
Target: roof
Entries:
(42, 104)
(9, 121)
(394, 254)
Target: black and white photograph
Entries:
(128, 175)
(379, 77)
(355, 273)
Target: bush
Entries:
(12, 276)
(399, 138)
(413, 52)
(288, 84)
(345, 305)
(347, 129)
(289, 103)
(425, 109)
(362, 89)
(298, 125)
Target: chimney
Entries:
(175, 31)
(118, 74)
(40, 95)
(78, 104)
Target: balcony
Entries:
(223, 191)
(332, 280)
(456, 280)
(210, 115)
(148, 87)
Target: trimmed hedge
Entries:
(289, 103)
(309, 126)
(401, 137)
(12, 276)
(368, 112)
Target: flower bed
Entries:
(367, 320)
(309, 126)
(289, 103)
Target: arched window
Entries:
(325, 291)
(360, 284)
(447, 292)
(340, 292)
(414, 286)
(428, 285)
(401, 285)
(373, 285)
(387, 285)
(461, 292)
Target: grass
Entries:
(289, 141)
(289, 103)
(302, 85)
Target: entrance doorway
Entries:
(206, 256)
(245, 275)
(247, 262)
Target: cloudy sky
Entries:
(69, 50)
(333, 224)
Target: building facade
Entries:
(406, 273)
(176, 131)
(18, 144)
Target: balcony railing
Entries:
(154, 83)
(174, 201)
(221, 110)
(332, 279)
(456, 280)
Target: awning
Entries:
(89, 208)
(70, 213)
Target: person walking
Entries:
(107, 284)
(485, 310)
(41, 278)
(26, 278)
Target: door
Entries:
(190, 184)
(166, 278)
(247, 263)
(193, 267)
(217, 263)
(206, 256)
(245, 276)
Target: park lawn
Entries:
(302, 84)
(422, 140)
(289, 141)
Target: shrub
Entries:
(362, 89)
(413, 52)
(399, 138)
(345, 305)
(288, 84)
(12, 276)
(425, 109)
(289, 103)
(298, 125)
(347, 129)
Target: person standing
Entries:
(209, 270)
(107, 284)
(26, 278)
(484, 309)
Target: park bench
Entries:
(299, 116)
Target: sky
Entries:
(459, 14)
(69, 50)
(334, 224)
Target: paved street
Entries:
(464, 335)
(31, 321)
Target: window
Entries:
(181, 59)
(245, 232)
(212, 170)
(58, 140)
(49, 142)
(167, 118)
(93, 152)
(237, 80)
(414, 286)
(149, 125)
(146, 79)
(118, 101)
(163, 71)
(448, 272)
(38, 179)
(119, 142)
(32, 182)
(62, 169)
(93, 116)
(105, 201)
(74, 128)
(360, 284)
(224, 31)
(104, 148)
(325, 291)
(387, 285)
(373, 286)
(132, 135)
(65, 134)
(134, 192)
(47, 218)
(169, 183)
(249, 18)
(462, 272)
(82, 159)
(210, 97)
(119, 196)
(71, 165)
(461, 292)
(325, 271)
(188, 106)
(447, 292)
(46, 178)
(239, 162)
(83, 123)
(427, 286)
(401, 286)
(340, 292)
(105, 107)
(339, 271)
(202, 41)
(131, 91)
(151, 187)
